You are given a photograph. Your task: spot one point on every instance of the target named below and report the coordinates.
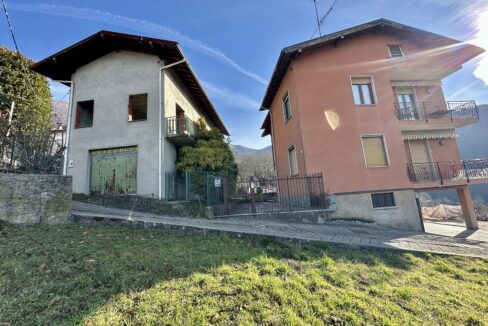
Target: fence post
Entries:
(465, 171)
(225, 189)
(253, 197)
(187, 185)
(440, 174)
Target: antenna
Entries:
(317, 16)
(321, 20)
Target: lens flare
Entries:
(332, 119)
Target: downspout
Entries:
(161, 110)
(68, 131)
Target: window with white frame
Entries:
(395, 51)
(374, 151)
(363, 91)
(286, 107)
(292, 160)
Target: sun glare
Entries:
(481, 39)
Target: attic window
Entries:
(84, 114)
(138, 107)
(395, 51)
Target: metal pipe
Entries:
(160, 127)
(68, 131)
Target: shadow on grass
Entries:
(60, 274)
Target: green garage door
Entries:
(113, 171)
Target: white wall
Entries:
(109, 81)
(359, 206)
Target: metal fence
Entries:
(274, 195)
(453, 110)
(193, 186)
(452, 170)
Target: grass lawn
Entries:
(105, 274)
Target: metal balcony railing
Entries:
(453, 110)
(448, 171)
(179, 126)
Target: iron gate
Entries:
(281, 194)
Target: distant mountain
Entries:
(472, 143)
(253, 162)
(243, 150)
(473, 139)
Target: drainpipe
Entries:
(161, 110)
(68, 131)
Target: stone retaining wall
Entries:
(35, 198)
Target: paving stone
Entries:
(439, 238)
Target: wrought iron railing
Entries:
(453, 110)
(451, 170)
(281, 194)
(179, 126)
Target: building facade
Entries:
(365, 107)
(130, 97)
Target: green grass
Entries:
(101, 274)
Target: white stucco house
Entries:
(134, 101)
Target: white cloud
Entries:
(135, 24)
(230, 98)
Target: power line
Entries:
(319, 22)
(316, 15)
(10, 25)
(9, 22)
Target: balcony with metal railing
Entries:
(180, 130)
(446, 173)
(436, 115)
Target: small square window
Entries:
(395, 51)
(84, 114)
(385, 199)
(292, 160)
(138, 107)
(362, 90)
(286, 107)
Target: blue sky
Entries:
(233, 45)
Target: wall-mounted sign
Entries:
(218, 182)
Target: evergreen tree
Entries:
(209, 153)
(28, 89)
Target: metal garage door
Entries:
(113, 171)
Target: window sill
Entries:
(366, 105)
(142, 120)
(385, 208)
(377, 167)
(83, 127)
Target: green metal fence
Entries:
(202, 186)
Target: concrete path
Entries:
(439, 238)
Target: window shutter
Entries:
(78, 116)
(395, 51)
(374, 151)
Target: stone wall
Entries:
(34, 198)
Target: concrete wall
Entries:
(359, 206)
(33, 198)
(109, 81)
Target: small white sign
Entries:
(218, 182)
(71, 164)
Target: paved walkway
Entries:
(439, 238)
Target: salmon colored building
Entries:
(365, 107)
